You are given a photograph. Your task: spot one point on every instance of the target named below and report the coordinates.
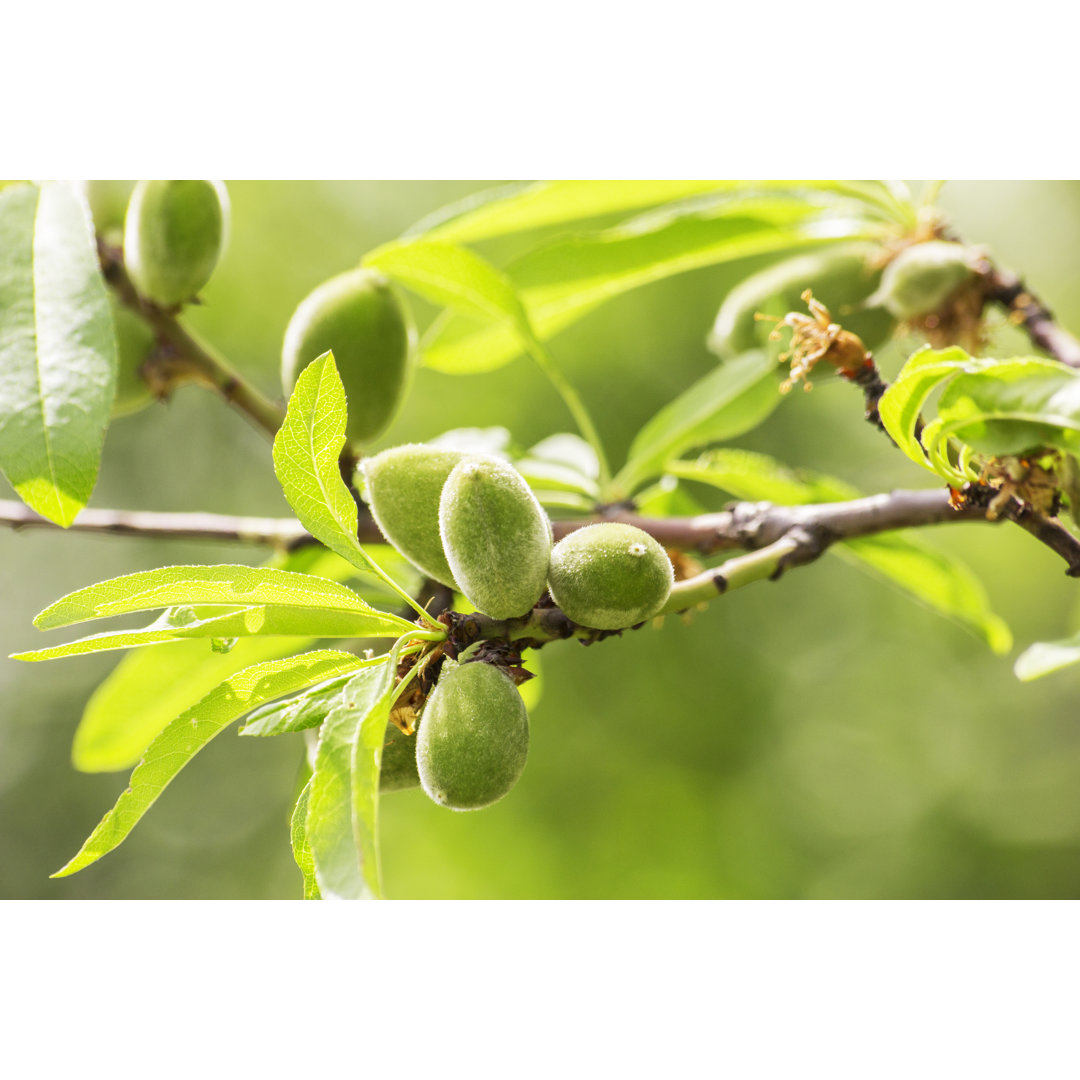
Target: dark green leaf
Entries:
(57, 350)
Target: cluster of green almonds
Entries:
(471, 522)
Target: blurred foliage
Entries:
(823, 737)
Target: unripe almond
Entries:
(363, 319)
(398, 770)
(496, 536)
(134, 342)
(609, 576)
(922, 277)
(403, 485)
(108, 201)
(174, 233)
(473, 737)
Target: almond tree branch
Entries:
(180, 357)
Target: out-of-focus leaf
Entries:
(301, 848)
(342, 825)
(57, 350)
(151, 686)
(189, 732)
(733, 398)
(1045, 657)
(519, 208)
(562, 282)
(229, 586)
(940, 581)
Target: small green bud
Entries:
(398, 761)
(134, 343)
(174, 233)
(364, 320)
(922, 277)
(609, 576)
(496, 536)
(473, 737)
(402, 487)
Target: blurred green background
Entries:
(823, 737)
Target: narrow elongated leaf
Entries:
(243, 622)
(229, 586)
(305, 710)
(450, 275)
(343, 806)
(301, 848)
(147, 688)
(519, 208)
(189, 732)
(1045, 657)
(151, 686)
(562, 282)
(940, 581)
(730, 400)
(57, 350)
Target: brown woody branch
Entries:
(180, 358)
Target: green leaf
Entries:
(177, 624)
(189, 732)
(229, 586)
(1045, 657)
(454, 276)
(307, 450)
(939, 581)
(151, 686)
(733, 398)
(305, 710)
(301, 848)
(342, 811)
(57, 350)
(1004, 407)
(562, 282)
(519, 208)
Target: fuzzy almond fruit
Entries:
(922, 277)
(496, 536)
(473, 738)
(609, 576)
(402, 487)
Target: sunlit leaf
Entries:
(57, 350)
(189, 732)
(301, 848)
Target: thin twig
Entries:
(180, 357)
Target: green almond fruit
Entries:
(134, 343)
(402, 487)
(108, 201)
(174, 234)
(473, 737)
(496, 536)
(609, 576)
(841, 279)
(398, 772)
(922, 277)
(363, 319)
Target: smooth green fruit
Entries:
(134, 342)
(496, 536)
(174, 233)
(402, 488)
(108, 201)
(609, 576)
(399, 770)
(840, 279)
(364, 321)
(922, 277)
(473, 737)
